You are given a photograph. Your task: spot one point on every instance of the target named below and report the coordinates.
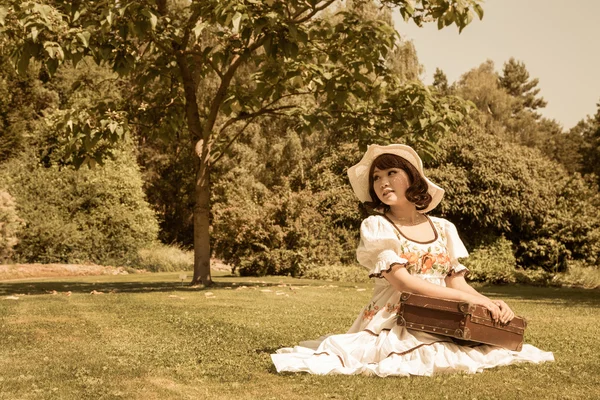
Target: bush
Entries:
(336, 272)
(285, 235)
(579, 274)
(495, 263)
(71, 216)
(289, 216)
(162, 258)
(10, 225)
(496, 188)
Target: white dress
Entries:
(375, 344)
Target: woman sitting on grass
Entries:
(407, 251)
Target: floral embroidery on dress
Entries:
(432, 260)
(370, 311)
(392, 308)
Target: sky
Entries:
(559, 42)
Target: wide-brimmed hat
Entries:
(359, 173)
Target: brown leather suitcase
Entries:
(466, 323)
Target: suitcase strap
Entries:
(458, 333)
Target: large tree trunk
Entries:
(202, 222)
(202, 187)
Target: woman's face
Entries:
(390, 185)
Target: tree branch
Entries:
(214, 67)
(312, 13)
(225, 81)
(251, 117)
(260, 112)
(233, 139)
(189, 26)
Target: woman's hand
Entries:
(506, 314)
(491, 306)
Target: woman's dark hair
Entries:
(416, 192)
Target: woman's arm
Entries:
(458, 282)
(403, 281)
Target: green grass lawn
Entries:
(149, 337)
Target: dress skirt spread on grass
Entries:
(375, 344)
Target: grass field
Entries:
(148, 337)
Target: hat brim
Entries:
(359, 173)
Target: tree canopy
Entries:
(264, 55)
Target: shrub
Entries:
(337, 272)
(97, 215)
(287, 234)
(162, 258)
(496, 188)
(493, 263)
(579, 274)
(10, 225)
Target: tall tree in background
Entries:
(515, 80)
(440, 81)
(178, 46)
(588, 131)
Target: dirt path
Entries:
(24, 271)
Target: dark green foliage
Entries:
(588, 131)
(10, 225)
(440, 81)
(23, 100)
(493, 263)
(97, 215)
(168, 170)
(277, 230)
(495, 187)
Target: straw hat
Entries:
(359, 173)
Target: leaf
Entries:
(85, 38)
(34, 34)
(3, 14)
(23, 63)
(469, 17)
(237, 18)
(43, 10)
(200, 25)
(153, 19)
(478, 10)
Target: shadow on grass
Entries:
(547, 295)
(46, 287)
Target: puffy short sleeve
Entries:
(456, 249)
(379, 246)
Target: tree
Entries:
(480, 85)
(515, 80)
(588, 131)
(440, 81)
(293, 51)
